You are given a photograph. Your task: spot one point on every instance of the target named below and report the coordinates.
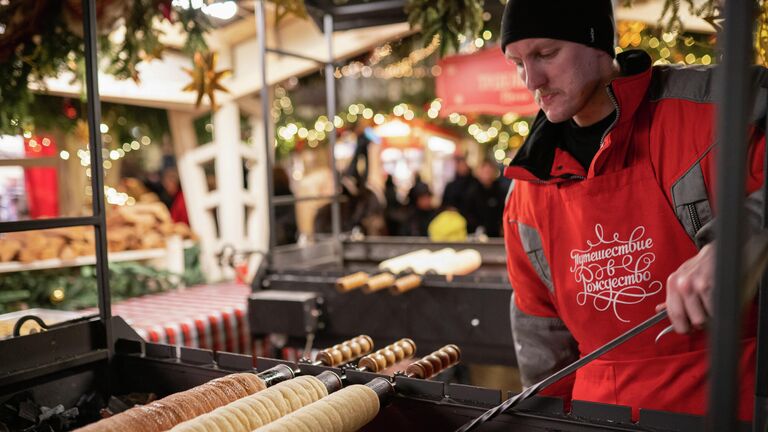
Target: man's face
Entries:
(486, 174)
(424, 202)
(563, 76)
(462, 169)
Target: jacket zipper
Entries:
(694, 217)
(616, 119)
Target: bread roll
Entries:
(276, 398)
(231, 387)
(249, 381)
(208, 425)
(158, 416)
(403, 262)
(435, 262)
(329, 420)
(347, 410)
(466, 261)
(202, 398)
(252, 416)
(266, 410)
(262, 408)
(225, 421)
(236, 417)
(178, 408)
(303, 393)
(290, 397)
(293, 425)
(350, 282)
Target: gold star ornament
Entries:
(205, 78)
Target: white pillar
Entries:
(258, 223)
(190, 159)
(229, 178)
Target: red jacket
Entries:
(589, 252)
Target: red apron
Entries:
(614, 240)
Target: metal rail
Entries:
(41, 224)
(760, 420)
(266, 113)
(330, 88)
(97, 169)
(330, 103)
(295, 55)
(98, 219)
(733, 87)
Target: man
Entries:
(460, 193)
(365, 135)
(609, 213)
(420, 212)
(489, 200)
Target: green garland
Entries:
(75, 288)
(39, 43)
(672, 48)
(447, 19)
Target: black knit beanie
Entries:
(588, 22)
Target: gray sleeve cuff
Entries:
(542, 345)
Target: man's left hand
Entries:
(689, 291)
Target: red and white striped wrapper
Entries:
(207, 316)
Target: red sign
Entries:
(482, 83)
(41, 183)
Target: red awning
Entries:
(482, 83)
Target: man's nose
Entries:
(534, 78)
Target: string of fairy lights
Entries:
(113, 195)
(403, 68)
(109, 156)
(503, 134)
(668, 47)
(507, 133)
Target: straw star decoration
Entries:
(205, 78)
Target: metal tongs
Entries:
(562, 373)
(756, 257)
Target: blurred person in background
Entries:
(394, 213)
(171, 186)
(285, 215)
(365, 136)
(489, 199)
(461, 191)
(420, 212)
(360, 208)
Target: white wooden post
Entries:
(190, 161)
(258, 223)
(229, 179)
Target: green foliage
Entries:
(78, 284)
(47, 45)
(446, 19)
(141, 43)
(39, 56)
(196, 24)
(670, 20)
(284, 8)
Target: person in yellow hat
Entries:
(448, 226)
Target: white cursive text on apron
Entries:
(614, 272)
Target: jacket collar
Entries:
(541, 159)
